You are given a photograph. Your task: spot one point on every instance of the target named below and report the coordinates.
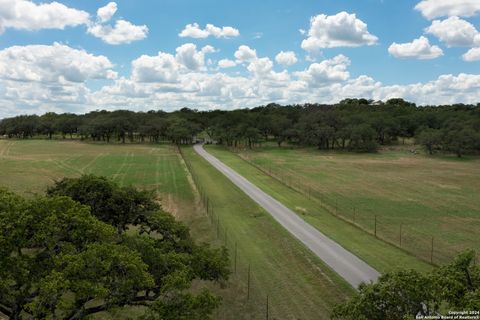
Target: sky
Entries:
(79, 56)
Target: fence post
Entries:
(218, 227)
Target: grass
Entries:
(430, 197)
(299, 286)
(382, 256)
(28, 167)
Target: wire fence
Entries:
(431, 248)
(251, 299)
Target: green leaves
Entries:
(459, 283)
(69, 259)
(404, 294)
(180, 306)
(110, 203)
(108, 271)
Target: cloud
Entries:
(104, 14)
(188, 56)
(260, 67)
(194, 31)
(432, 9)
(245, 53)
(123, 32)
(226, 63)
(55, 63)
(42, 78)
(53, 78)
(446, 89)
(167, 68)
(162, 68)
(258, 35)
(417, 49)
(326, 72)
(208, 49)
(455, 32)
(286, 58)
(472, 55)
(340, 30)
(27, 15)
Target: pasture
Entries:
(429, 199)
(298, 285)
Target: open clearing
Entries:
(299, 286)
(430, 198)
(378, 254)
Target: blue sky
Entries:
(68, 56)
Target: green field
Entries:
(297, 284)
(431, 198)
(28, 167)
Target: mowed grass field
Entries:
(297, 284)
(30, 166)
(380, 255)
(431, 198)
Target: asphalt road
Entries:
(347, 265)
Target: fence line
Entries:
(241, 269)
(433, 250)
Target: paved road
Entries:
(347, 265)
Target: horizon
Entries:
(70, 57)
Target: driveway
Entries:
(340, 260)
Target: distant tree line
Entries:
(358, 125)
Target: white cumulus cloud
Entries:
(340, 30)
(287, 58)
(188, 56)
(195, 31)
(455, 32)
(162, 68)
(53, 63)
(226, 63)
(326, 72)
(432, 9)
(472, 55)
(104, 14)
(123, 32)
(27, 15)
(245, 53)
(417, 49)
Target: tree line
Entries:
(357, 125)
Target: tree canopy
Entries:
(408, 293)
(66, 259)
(357, 125)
